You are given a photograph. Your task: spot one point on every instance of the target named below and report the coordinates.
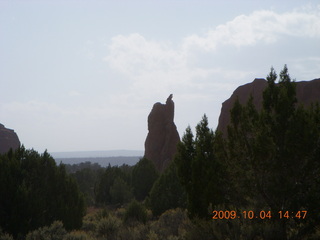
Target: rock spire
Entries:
(163, 137)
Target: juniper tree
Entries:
(273, 156)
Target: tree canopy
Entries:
(36, 192)
(269, 161)
(144, 174)
(199, 170)
(273, 156)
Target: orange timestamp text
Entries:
(258, 215)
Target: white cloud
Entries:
(260, 26)
(133, 54)
(155, 65)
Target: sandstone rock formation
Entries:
(163, 137)
(307, 93)
(8, 139)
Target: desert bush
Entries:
(101, 214)
(90, 222)
(152, 235)
(138, 231)
(173, 222)
(100, 221)
(315, 235)
(135, 212)
(5, 236)
(78, 235)
(201, 229)
(120, 213)
(89, 225)
(171, 237)
(55, 231)
(149, 215)
(236, 229)
(109, 227)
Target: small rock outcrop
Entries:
(307, 92)
(8, 139)
(163, 137)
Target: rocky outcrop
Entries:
(163, 137)
(8, 139)
(307, 93)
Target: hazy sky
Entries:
(84, 75)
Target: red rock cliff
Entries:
(8, 139)
(307, 93)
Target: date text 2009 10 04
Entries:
(258, 215)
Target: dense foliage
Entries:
(270, 161)
(119, 185)
(87, 175)
(274, 157)
(114, 186)
(35, 192)
(167, 192)
(144, 174)
(135, 212)
(200, 170)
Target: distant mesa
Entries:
(307, 92)
(163, 137)
(8, 139)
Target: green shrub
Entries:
(237, 229)
(5, 236)
(138, 231)
(135, 212)
(55, 231)
(171, 237)
(109, 227)
(173, 222)
(101, 214)
(315, 235)
(152, 235)
(201, 229)
(120, 213)
(78, 235)
(89, 225)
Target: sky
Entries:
(84, 75)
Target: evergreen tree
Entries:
(144, 174)
(102, 190)
(199, 170)
(35, 192)
(273, 156)
(120, 191)
(167, 192)
(184, 157)
(87, 178)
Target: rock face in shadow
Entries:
(163, 137)
(8, 139)
(307, 92)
